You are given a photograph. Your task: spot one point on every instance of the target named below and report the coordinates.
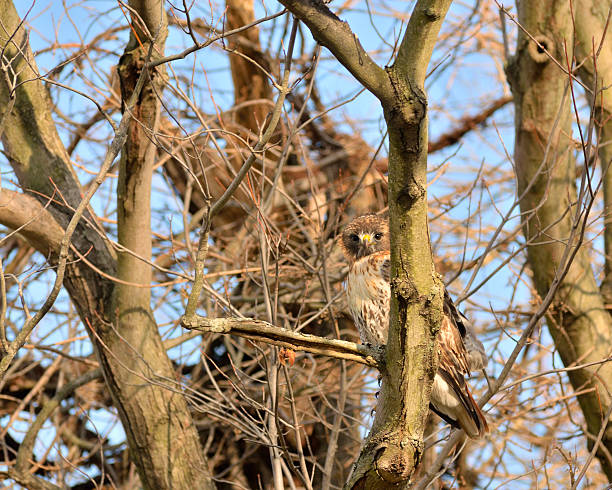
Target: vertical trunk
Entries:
(169, 454)
(545, 167)
(395, 445)
(249, 80)
(163, 441)
(594, 48)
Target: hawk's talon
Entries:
(489, 381)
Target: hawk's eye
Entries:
(354, 238)
(378, 236)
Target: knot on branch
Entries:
(196, 322)
(433, 306)
(396, 463)
(131, 63)
(541, 50)
(410, 194)
(432, 14)
(406, 110)
(404, 290)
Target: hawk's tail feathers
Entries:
(476, 420)
(456, 406)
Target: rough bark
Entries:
(395, 444)
(249, 80)
(24, 213)
(593, 48)
(416, 290)
(163, 441)
(176, 457)
(545, 168)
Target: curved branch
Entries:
(337, 36)
(27, 445)
(30, 218)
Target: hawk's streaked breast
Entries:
(368, 295)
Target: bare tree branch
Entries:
(337, 36)
(30, 218)
(262, 331)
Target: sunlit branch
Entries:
(262, 331)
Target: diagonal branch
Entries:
(27, 445)
(419, 40)
(65, 242)
(467, 124)
(27, 216)
(265, 332)
(337, 36)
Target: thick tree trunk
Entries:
(169, 454)
(546, 168)
(395, 444)
(163, 440)
(594, 48)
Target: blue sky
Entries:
(455, 89)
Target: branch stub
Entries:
(541, 50)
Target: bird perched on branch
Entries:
(366, 245)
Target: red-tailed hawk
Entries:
(365, 243)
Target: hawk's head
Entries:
(365, 235)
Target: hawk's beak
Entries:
(366, 239)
